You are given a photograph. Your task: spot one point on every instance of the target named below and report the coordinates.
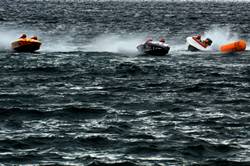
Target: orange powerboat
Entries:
(236, 46)
(26, 45)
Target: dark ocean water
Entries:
(88, 98)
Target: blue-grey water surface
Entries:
(83, 100)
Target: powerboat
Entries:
(196, 44)
(154, 48)
(26, 45)
(232, 47)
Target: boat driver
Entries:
(149, 40)
(198, 37)
(23, 36)
(162, 40)
(208, 42)
(34, 38)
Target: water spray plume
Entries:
(6, 39)
(58, 44)
(115, 43)
(220, 36)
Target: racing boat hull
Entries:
(236, 46)
(153, 49)
(26, 45)
(195, 45)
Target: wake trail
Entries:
(115, 43)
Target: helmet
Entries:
(198, 37)
(23, 35)
(208, 41)
(34, 37)
(149, 40)
(162, 40)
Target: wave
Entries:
(84, 1)
(123, 163)
(64, 113)
(222, 162)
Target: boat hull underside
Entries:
(192, 48)
(153, 50)
(27, 47)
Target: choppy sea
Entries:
(88, 98)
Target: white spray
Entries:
(7, 37)
(115, 43)
(220, 36)
(58, 44)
